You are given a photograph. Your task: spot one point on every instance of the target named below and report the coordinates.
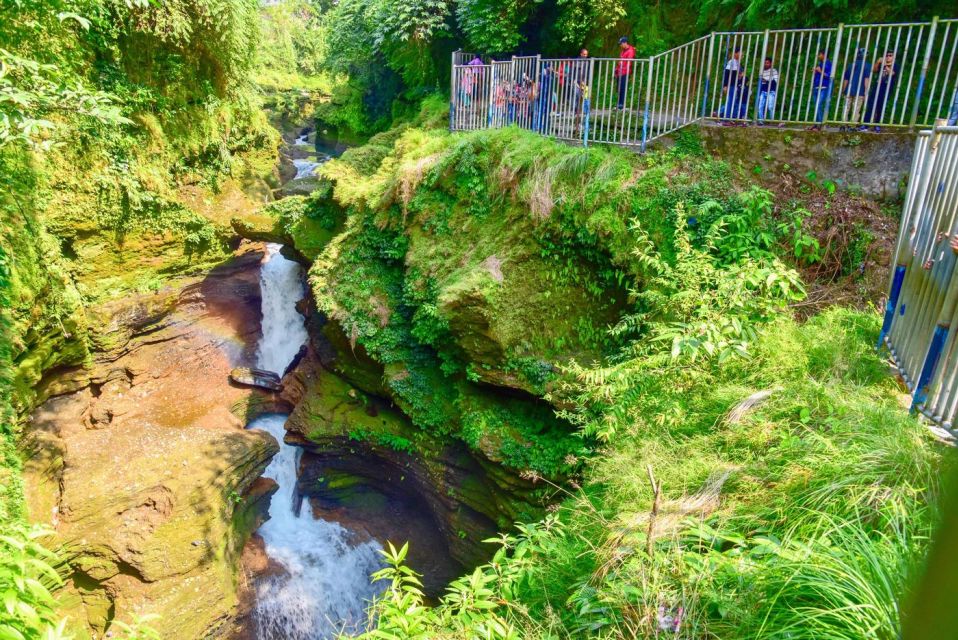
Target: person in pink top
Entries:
(624, 68)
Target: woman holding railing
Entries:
(884, 76)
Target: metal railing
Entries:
(851, 76)
(922, 308)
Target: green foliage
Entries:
(388, 440)
(292, 48)
(804, 516)
(27, 577)
(494, 27)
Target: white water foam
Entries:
(305, 167)
(325, 585)
(284, 331)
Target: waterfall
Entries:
(324, 585)
(281, 287)
(305, 167)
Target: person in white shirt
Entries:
(767, 90)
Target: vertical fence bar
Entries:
(761, 67)
(648, 98)
(831, 81)
(708, 75)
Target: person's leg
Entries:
(953, 115)
(729, 110)
(858, 102)
(762, 101)
(770, 105)
(623, 84)
(820, 106)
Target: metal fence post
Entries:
(761, 61)
(708, 75)
(938, 340)
(492, 84)
(831, 81)
(586, 104)
(452, 90)
(648, 100)
(924, 72)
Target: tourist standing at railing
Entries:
(624, 68)
(525, 97)
(767, 90)
(855, 83)
(580, 80)
(730, 84)
(467, 84)
(821, 85)
(884, 76)
(544, 99)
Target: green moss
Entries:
(307, 222)
(492, 258)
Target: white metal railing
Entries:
(851, 76)
(922, 308)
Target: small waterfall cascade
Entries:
(324, 584)
(284, 332)
(306, 166)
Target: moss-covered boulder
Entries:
(374, 444)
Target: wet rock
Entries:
(153, 505)
(470, 497)
(256, 378)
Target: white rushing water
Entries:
(305, 167)
(284, 332)
(325, 583)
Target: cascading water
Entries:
(305, 167)
(284, 332)
(325, 584)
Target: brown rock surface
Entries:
(141, 462)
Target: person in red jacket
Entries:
(624, 68)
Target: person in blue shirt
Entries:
(855, 88)
(821, 85)
(544, 98)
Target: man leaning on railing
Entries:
(821, 85)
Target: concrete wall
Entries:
(875, 165)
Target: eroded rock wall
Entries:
(140, 461)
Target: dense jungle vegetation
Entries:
(720, 470)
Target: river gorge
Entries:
(238, 511)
